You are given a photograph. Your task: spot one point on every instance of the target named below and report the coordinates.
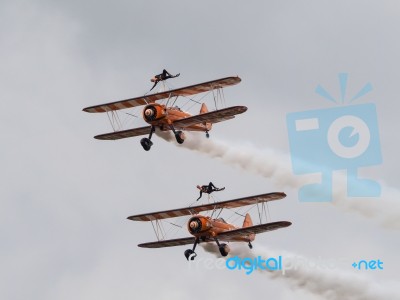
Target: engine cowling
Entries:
(154, 112)
(198, 224)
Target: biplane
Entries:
(167, 117)
(208, 229)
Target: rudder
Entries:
(203, 110)
(247, 221)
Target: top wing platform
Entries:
(185, 91)
(173, 213)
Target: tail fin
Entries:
(247, 221)
(203, 108)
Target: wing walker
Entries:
(167, 117)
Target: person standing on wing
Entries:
(161, 77)
(208, 189)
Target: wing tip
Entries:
(286, 223)
(89, 109)
(134, 218)
(100, 137)
(243, 108)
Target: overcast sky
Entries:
(65, 196)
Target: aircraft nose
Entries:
(149, 112)
(193, 225)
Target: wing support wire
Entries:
(158, 229)
(262, 209)
(262, 212)
(238, 213)
(114, 119)
(170, 96)
(161, 233)
(217, 94)
(219, 97)
(173, 103)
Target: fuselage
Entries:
(206, 227)
(162, 116)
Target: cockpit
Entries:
(176, 108)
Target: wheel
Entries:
(189, 253)
(146, 143)
(224, 249)
(180, 137)
(207, 135)
(250, 245)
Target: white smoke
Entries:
(327, 283)
(276, 166)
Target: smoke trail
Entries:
(276, 166)
(331, 284)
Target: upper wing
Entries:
(211, 117)
(185, 91)
(124, 133)
(173, 213)
(168, 243)
(228, 235)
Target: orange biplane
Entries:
(209, 229)
(166, 117)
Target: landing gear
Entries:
(250, 245)
(146, 142)
(223, 248)
(189, 253)
(179, 135)
(207, 134)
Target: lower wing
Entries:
(231, 234)
(211, 117)
(124, 133)
(168, 243)
(225, 236)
